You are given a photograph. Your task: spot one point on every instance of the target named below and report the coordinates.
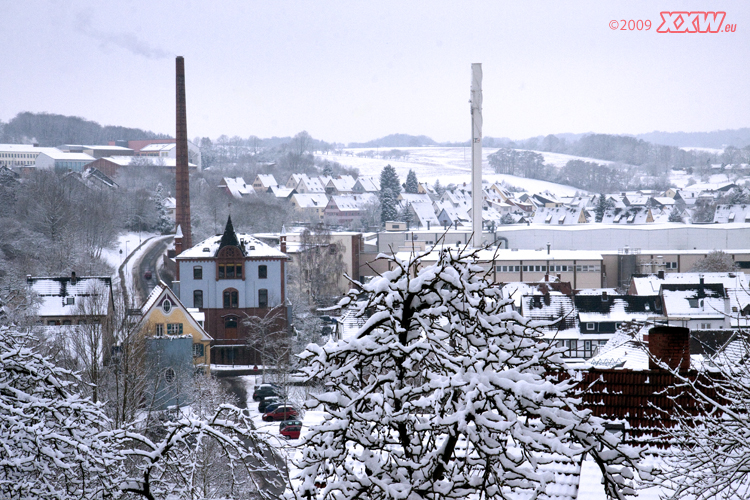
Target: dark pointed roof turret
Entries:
(229, 238)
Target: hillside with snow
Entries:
(450, 165)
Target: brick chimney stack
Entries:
(182, 187)
(671, 345)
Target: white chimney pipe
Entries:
(476, 153)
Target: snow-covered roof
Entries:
(158, 147)
(425, 214)
(368, 184)
(415, 198)
(630, 215)
(281, 191)
(351, 203)
(310, 200)
(343, 184)
(142, 160)
(267, 180)
(26, 148)
(732, 214)
(650, 285)
(61, 296)
(237, 187)
(56, 154)
(253, 247)
(561, 216)
(162, 290)
(685, 301)
(313, 185)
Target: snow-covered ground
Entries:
(680, 179)
(705, 150)
(450, 165)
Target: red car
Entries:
(280, 413)
(291, 431)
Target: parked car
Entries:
(265, 402)
(291, 431)
(264, 390)
(286, 423)
(284, 412)
(273, 406)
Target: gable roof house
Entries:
(236, 187)
(312, 204)
(560, 216)
(263, 182)
(310, 185)
(347, 210)
(630, 215)
(176, 346)
(704, 306)
(341, 185)
(366, 185)
(423, 215)
(73, 300)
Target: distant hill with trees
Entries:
(739, 138)
(47, 129)
(396, 141)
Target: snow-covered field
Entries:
(449, 165)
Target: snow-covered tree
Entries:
(675, 215)
(388, 206)
(412, 185)
(710, 456)
(442, 394)
(49, 436)
(243, 463)
(55, 444)
(164, 222)
(602, 204)
(715, 262)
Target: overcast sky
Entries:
(354, 71)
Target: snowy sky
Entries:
(354, 70)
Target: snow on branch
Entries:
(444, 394)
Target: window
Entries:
(197, 350)
(70, 300)
(262, 272)
(230, 322)
(590, 326)
(231, 299)
(230, 271)
(525, 268)
(198, 273)
(174, 328)
(198, 298)
(160, 330)
(166, 306)
(169, 375)
(262, 298)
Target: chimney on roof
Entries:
(548, 247)
(661, 274)
(701, 291)
(605, 297)
(72, 277)
(282, 240)
(670, 345)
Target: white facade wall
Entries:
(213, 289)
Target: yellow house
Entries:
(164, 316)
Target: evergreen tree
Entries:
(388, 206)
(411, 186)
(439, 189)
(602, 205)
(164, 222)
(675, 215)
(389, 180)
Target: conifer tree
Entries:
(412, 185)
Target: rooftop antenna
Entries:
(476, 154)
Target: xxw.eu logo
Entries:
(693, 22)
